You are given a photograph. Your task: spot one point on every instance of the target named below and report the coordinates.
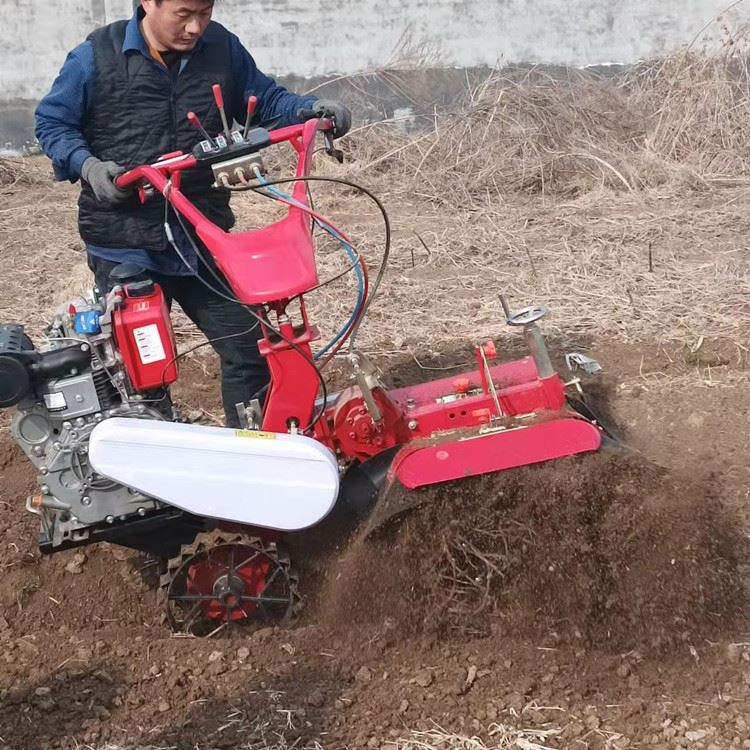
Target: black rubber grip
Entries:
(308, 114)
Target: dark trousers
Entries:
(244, 372)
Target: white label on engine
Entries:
(55, 401)
(148, 341)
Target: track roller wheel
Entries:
(225, 579)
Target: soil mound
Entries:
(97, 586)
(606, 548)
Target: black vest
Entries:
(136, 113)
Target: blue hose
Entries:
(349, 251)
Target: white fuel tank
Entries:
(270, 480)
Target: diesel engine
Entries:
(103, 356)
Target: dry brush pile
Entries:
(681, 119)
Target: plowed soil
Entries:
(601, 597)
(598, 602)
(607, 549)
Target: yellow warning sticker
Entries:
(255, 434)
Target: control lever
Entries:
(331, 150)
(252, 103)
(194, 120)
(525, 317)
(310, 114)
(219, 99)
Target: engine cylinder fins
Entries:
(223, 580)
(105, 390)
(15, 383)
(15, 380)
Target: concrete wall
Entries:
(361, 34)
(323, 37)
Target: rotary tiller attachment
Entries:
(495, 418)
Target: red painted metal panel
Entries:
(417, 465)
(504, 375)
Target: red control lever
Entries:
(219, 99)
(252, 103)
(194, 120)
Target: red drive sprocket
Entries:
(228, 579)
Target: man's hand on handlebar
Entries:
(101, 176)
(332, 109)
(226, 154)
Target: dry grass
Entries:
(619, 201)
(502, 737)
(528, 132)
(506, 736)
(474, 562)
(15, 171)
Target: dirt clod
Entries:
(316, 698)
(75, 566)
(424, 678)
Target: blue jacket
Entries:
(61, 119)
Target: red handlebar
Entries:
(160, 169)
(157, 174)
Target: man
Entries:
(120, 100)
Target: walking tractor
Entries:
(213, 504)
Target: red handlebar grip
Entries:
(218, 96)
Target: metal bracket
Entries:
(578, 361)
(363, 373)
(490, 383)
(238, 171)
(250, 415)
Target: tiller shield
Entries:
(468, 453)
(492, 419)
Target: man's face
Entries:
(176, 24)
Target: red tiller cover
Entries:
(465, 453)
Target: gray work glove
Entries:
(338, 112)
(100, 175)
